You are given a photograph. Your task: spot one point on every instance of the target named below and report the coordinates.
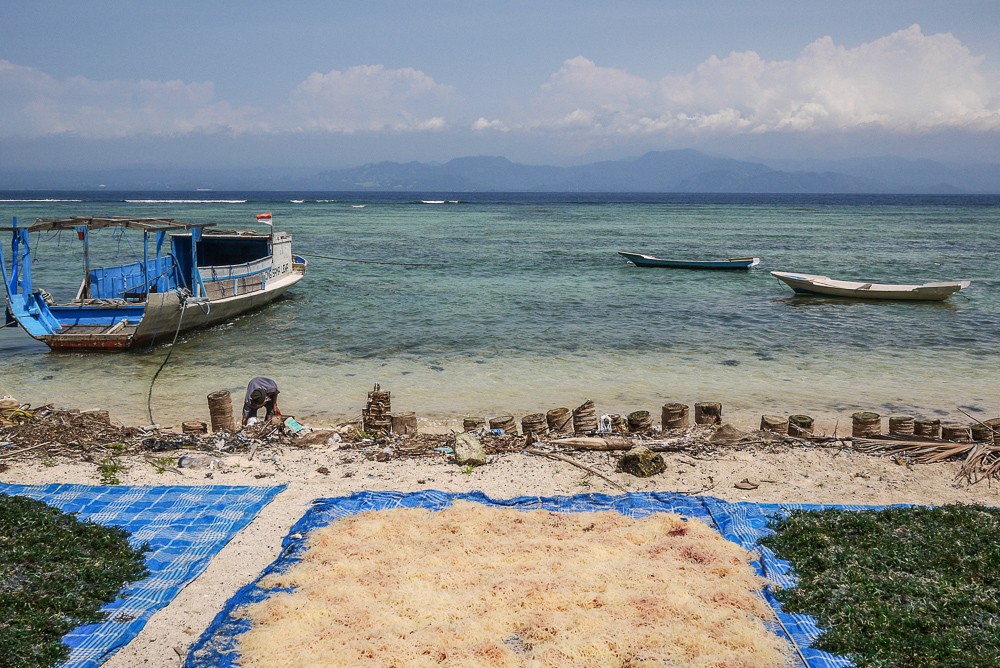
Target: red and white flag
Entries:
(264, 218)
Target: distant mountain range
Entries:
(681, 171)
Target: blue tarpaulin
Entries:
(742, 523)
(184, 526)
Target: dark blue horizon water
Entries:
(524, 304)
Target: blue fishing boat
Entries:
(640, 260)
(203, 277)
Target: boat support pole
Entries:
(25, 262)
(145, 261)
(8, 284)
(160, 237)
(195, 276)
(84, 233)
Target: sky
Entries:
(317, 84)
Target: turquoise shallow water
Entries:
(523, 305)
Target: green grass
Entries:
(898, 587)
(55, 574)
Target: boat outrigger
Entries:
(205, 277)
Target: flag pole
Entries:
(265, 218)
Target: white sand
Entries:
(800, 475)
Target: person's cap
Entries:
(257, 395)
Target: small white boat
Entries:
(811, 284)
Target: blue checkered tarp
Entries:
(742, 523)
(184, 526)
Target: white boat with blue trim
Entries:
(203, 277)
(812, 284)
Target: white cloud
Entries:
(906, 82)
(34, 103)
(368, 98)
(360, 99)
(484, 124)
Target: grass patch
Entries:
(897, 587)
(55, 574)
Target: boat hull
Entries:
(641, 260)
(811, 284)
(164, 316)
(150, 300)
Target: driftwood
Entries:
(15, 453)
(570, 460)
(590, 443)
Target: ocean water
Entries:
(493, 304)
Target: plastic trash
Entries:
(604, 425)
(293, 426)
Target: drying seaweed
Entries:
(56, 572)
(473, 585)
(905, 587)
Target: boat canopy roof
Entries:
(98, 222)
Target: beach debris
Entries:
(642, 462)
(473, 423)
(292, 425)
(640, 422)
(404, 424)
(504, 423)
(959, 433)
(983, 433)
(901, 425)
(318, 437)
(774, 423)
(866, 423)
(194, 427)
(569, 460)
(376, 417)
(674, 416)
(199, 461)
(585, 418)
(708, 412)
(800, 425)
(220, 411)
(13, 413)
(169, 443)
(747, 484)
(535, 425)
(591, 443)
(980, 461)
(929, 427)
(613, 423)
(560, 421)
(469, 450)
(726, 434)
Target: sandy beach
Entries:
(829, 473)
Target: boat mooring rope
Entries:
(348, 259)
(149, 397)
